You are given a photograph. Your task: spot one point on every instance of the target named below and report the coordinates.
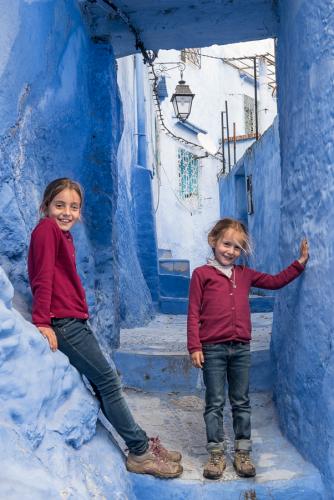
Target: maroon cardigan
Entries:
(55, 283)
(220, 312)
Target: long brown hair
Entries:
(54, 188)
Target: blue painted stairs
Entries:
(165, 394)
(174, 280)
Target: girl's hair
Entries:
(223, 225)
(55, 187)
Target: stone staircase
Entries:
(166, 394)
(174, 280)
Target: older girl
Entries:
(60, 313)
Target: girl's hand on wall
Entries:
(197, 359)
(48, 333)
(304, 255)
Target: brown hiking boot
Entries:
(215, 466)
(243, 464)
(171, 456)
(152, 462)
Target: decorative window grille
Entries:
(249, 113)
(192, 56)
(188, 173)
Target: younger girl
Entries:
(60, 313)
(219, 333)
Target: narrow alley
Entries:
(167, 116)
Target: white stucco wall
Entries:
(183, 224)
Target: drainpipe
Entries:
(264, 115)
(141, 113)
(255, 99)
(147, 247)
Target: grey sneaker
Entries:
(171, 456)
(215, 466)
(243, 464)
(154, 463)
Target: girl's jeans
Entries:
(76, 340)
(229, 360)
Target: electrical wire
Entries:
(148, 55)
(182, 140)
(149, 58)
(175, 193)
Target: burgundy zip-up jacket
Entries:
(218, 311)
(55, 284)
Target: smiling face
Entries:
(228, 247)
(64, 208)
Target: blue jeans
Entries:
(229, 360)
(76, 340)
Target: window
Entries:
(249, 113)
(192, 56)
(188, 173)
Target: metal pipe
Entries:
(223, 141)
(228, 138)
(255, 99)
(141, 113)
(234, 144)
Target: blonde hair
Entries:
(55, 187)
(223, 225)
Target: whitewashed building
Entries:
(185, 182)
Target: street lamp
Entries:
(182, 100)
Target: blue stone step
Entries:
(155, 358)
(305, 484)
(166, 372)
(164, 253)
(180, 267)
(167, 399)
(174, 286)
(172, 305)
(261, 303)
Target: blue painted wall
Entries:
(262, 162)
(303, 326)
(61, 116)
(146, 237)
(136, 305)
(171, 24)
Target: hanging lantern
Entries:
(182, 100)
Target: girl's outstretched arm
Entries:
(273, 282)
(304, 255)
